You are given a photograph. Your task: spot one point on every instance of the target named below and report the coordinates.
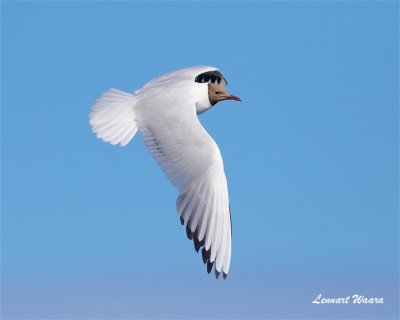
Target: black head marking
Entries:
(211, 76)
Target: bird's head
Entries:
(216, 90)
(217, 93)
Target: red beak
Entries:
(232, 97)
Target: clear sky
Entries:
(90, 230)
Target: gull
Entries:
(165, 112)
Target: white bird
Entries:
(165, 112)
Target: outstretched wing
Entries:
(192, 162)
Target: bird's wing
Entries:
(192, 161)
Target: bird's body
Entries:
(165, 111)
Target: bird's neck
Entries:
(203, 102)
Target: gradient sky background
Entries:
(90, 230)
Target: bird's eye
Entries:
(217, 92)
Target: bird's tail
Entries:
(113, 117)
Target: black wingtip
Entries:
(225, 275)
(189, 233)
(217, 273)
(205, 254)
(182, 221)
(196, 245)
(209, 266)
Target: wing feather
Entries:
(192, 161)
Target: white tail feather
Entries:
(113, 117)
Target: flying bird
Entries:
(165, 112)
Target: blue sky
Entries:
(90, 230)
